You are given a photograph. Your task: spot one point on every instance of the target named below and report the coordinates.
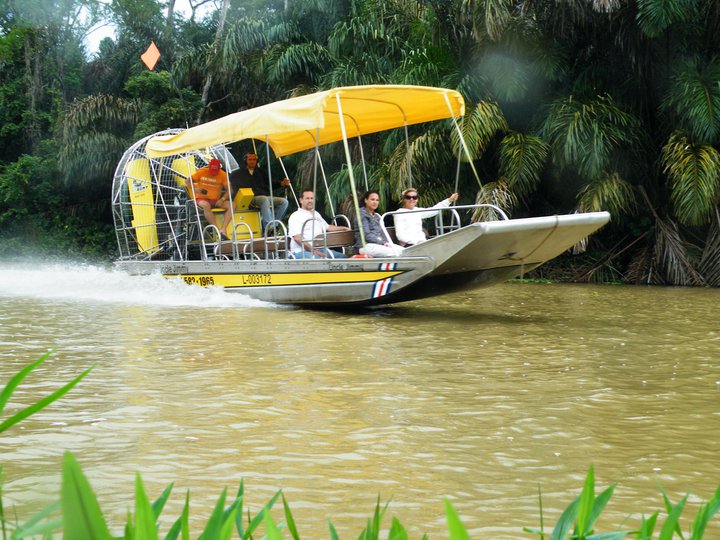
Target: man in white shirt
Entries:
(304, 225)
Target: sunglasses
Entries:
(413, 197)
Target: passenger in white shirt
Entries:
(408, 226)
(304, 225)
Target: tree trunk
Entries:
(169, 27)
(215, 52)
(32, 77)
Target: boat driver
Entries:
(209, 186)
(251, 176)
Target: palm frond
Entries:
(694, 174)
(481, 124)
(495, 193)
(88, 157)
(522, 158)
(709, 265)
(655, 16)
(588, 136)
(508, 76)
(247, 35)
(671, 256)
(488, 17)
(694, 99)
(100, 112)
(611, 193)
(304, 61)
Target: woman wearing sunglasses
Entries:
(408, 225)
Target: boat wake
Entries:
(88, 283)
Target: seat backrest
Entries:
(140, 189)
(183, 168)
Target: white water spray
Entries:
(88, 283)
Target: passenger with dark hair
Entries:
(249, 175)
(377, 243)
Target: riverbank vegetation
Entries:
(571, 106)
(78, 516)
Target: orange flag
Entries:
(151, 56)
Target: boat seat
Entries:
(271, 245)
(336, 239)
(393, 236)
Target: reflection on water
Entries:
(476, 397)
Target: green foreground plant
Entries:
(78, 516)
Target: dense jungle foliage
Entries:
(572, 105)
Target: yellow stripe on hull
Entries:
(282, 279)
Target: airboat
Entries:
(160, 230)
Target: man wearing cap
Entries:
(209, 187)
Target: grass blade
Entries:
(455, 527)
(585, 506)
(397, 531)
(145, 527)
(289, 519)
(159, 503)
(228, 525)
(17, 379)
(601, 502)
(82, 516)
(704, 515)
(647, 527)
(239, 515)
(672, 523)
(32, 409)
(214, 525)
(271, 529)
(257, 520)
(333, 532)
(567, 518)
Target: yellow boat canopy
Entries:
(294, 124)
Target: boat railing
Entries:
(326, 240)
(443, 224)
(245, 245)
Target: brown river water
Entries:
(480, 398)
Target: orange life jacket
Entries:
(213, 184)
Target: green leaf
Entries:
(333, 532)
(587, 499)
(600, 504)
(647, 527)
(289, 519)
(258, 519)
(617, 535)
(567, 518)
(271, 529)
(228, 525)
(32, 409)
(397, 531)
(455, 527)
(82, 516)
(145, 527)
(17, 379)
(239, 514)
(704, 515)
(159, 503)
(38, 524)
(214, 525)
(673, 521)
